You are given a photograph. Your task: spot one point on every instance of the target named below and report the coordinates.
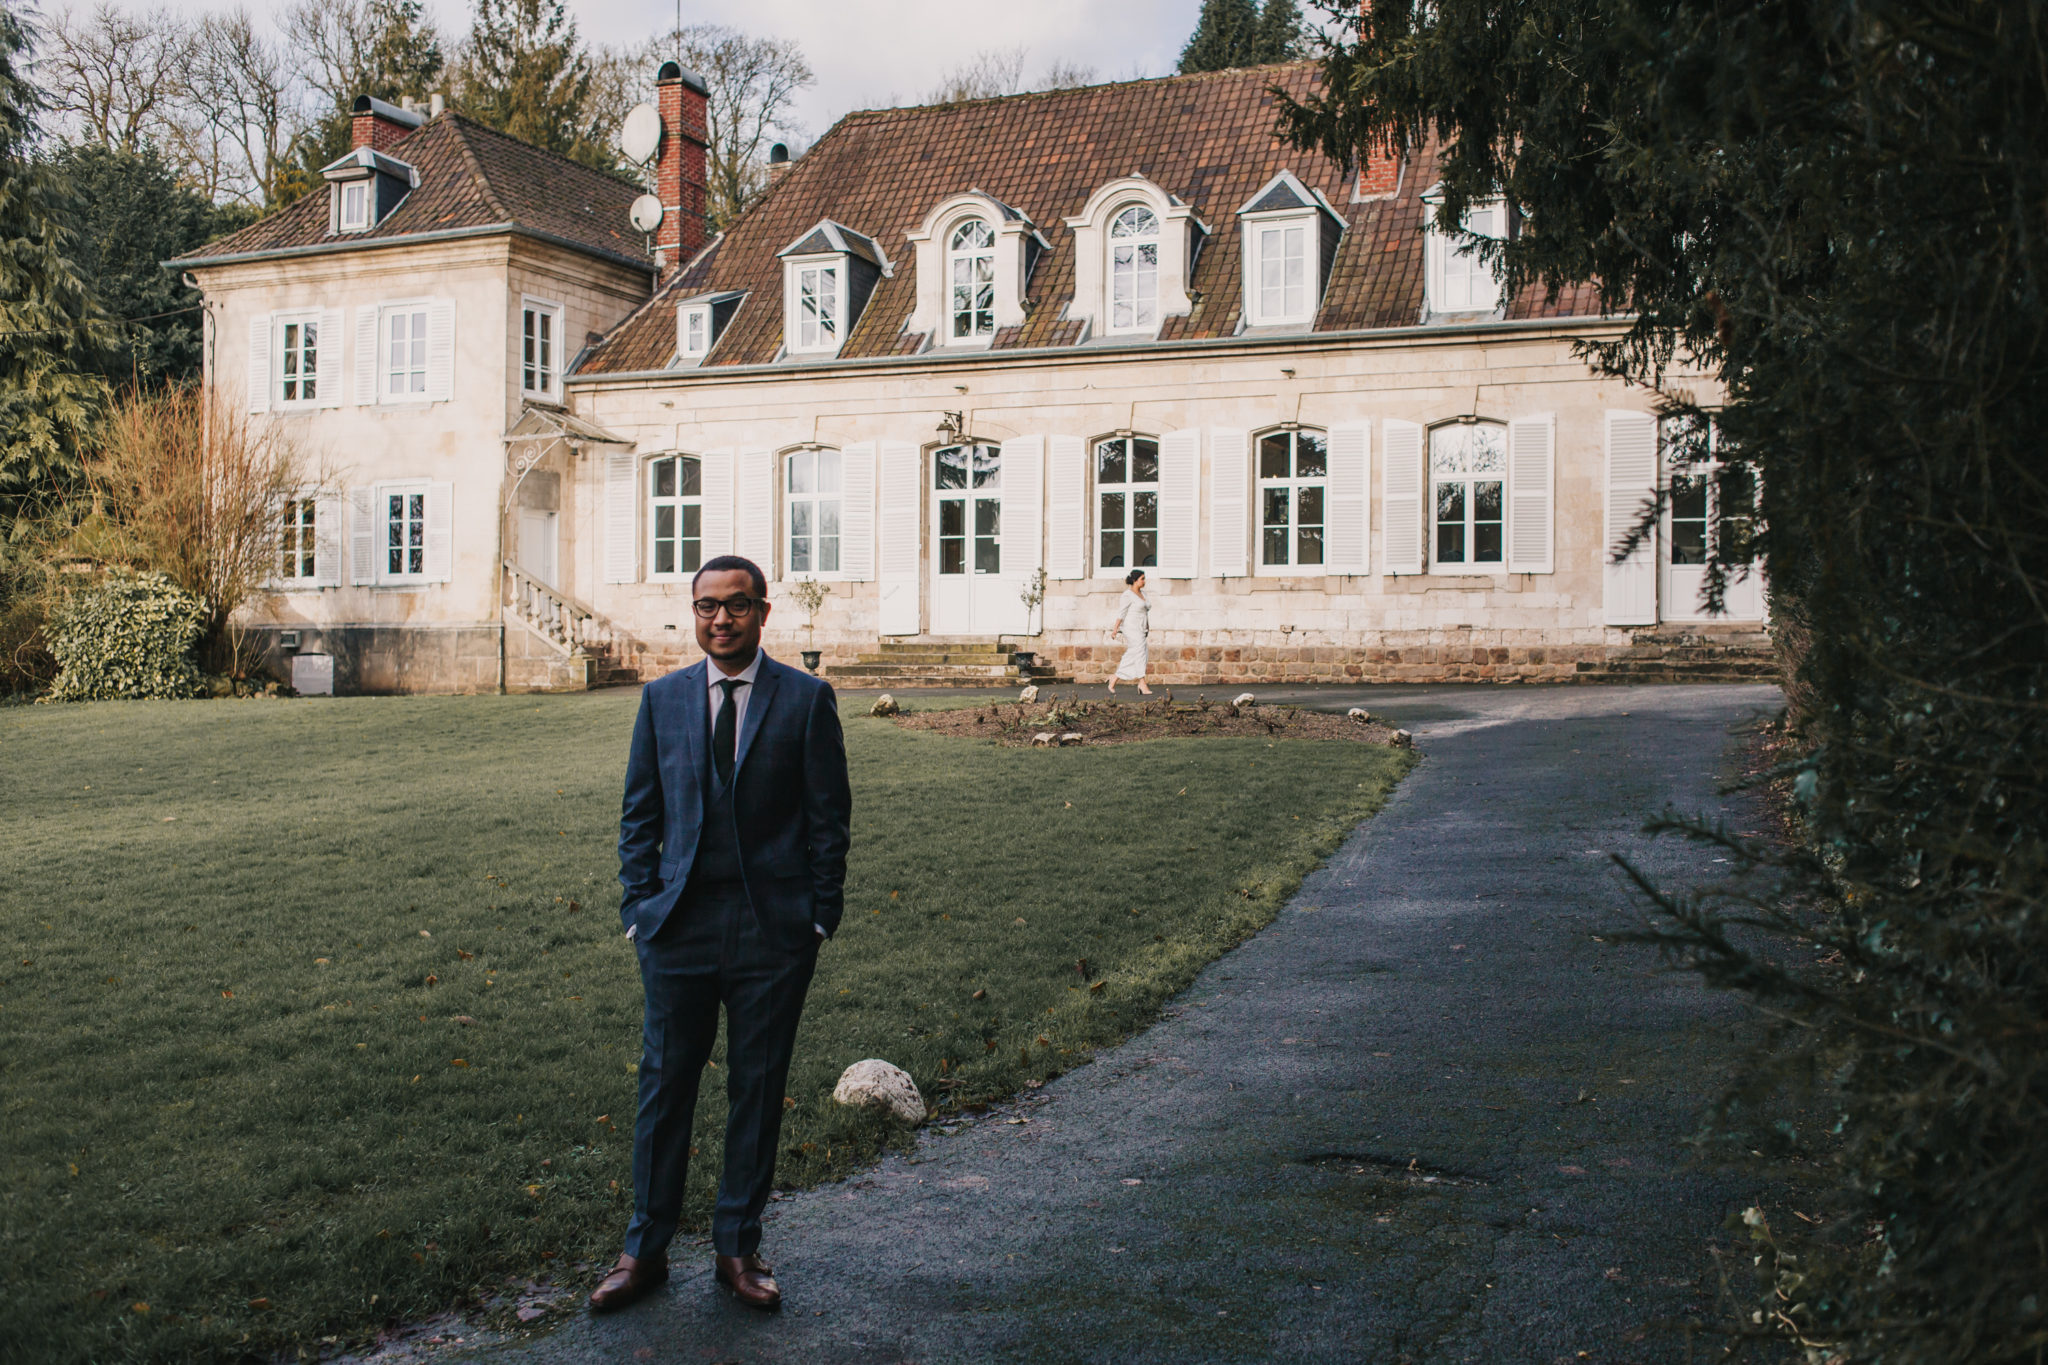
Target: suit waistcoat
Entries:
(718, 845)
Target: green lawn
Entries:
(242, 1111)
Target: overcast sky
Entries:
(872, 52)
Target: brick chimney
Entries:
(380, 126)
(1379, 172)
(679, 167)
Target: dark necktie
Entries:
(725, 731)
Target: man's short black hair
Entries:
(722, 563)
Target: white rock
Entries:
(1244, 699)
(1029, 694)
(1403, 740)
(1073, 737)
(875, 1084)
(1044, 739)
(885, 705)
(1359, 713)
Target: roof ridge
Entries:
(460, 127)
(1189, 77)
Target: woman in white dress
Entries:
(1133, 623)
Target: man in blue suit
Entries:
(732, 853)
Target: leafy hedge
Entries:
(126, 636)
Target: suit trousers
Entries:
(712, 952)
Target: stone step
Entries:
(944, 647)
(930, 657)
(881, 670)
(869, 681)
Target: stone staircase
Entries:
(564, 646)
(941, 662)
(1702, 651)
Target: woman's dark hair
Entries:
(1133, 576)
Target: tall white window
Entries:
(298, 361)
(540, 354)
(298, 554)
(675, 489)
(1294, 475)
(971, 258)
(355, 206)
(813, 495)
(1468, 467)
(405, 353)
(1713, 505)
(405, 533)
(1283, 272)
(1127, 503)
(1134, 270)
(818, 308)
(1460, 280)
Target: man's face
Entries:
(726, 638)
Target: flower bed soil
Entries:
(1015, 724)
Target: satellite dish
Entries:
(640, 134)
(646, 213)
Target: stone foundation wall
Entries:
(371, 660)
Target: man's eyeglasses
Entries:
(739, 608)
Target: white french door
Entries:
(1709, 503)
(971, 595)
(537, 545)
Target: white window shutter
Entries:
(754, 509)
(1401, 496)
(1066, 507)
(440, 558)
(1350, 478)
(368, 355)
(327, 366)
(440, 350)
(259, 364)
(621, 516)
(327, 515)
(1023, 507)
(362, 536)
(1180, 479)
(900, 538)
(716, 468)
(1230, 474)
(857, 511)
(1630, 587)
(1532, 494)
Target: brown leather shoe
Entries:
(630, 1280)
(751, 1281)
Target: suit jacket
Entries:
(791, 805)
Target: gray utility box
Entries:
(313, 675)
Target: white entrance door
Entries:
(1709, 502)
(537, 545)
(971, 595)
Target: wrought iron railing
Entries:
(555, 616)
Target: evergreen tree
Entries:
(526, 72)
(128, 212)
(1279, 36)
(51, 330)
(1226, 35)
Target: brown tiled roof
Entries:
(470, 177)
(1207, 139)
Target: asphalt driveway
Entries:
(1427, 1115)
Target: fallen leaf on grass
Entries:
(1097, 985)
(138, 1308)
(425, 934)
(1571, 1170)
(259, 1304)
(464, 1019)
(1129, 1180)
(1018, 921)
(463, 955)
(227, 995)
(321, 961)
(458, 1062)
(981, 994)
(575, 907)
(433, 980)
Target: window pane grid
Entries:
(1134, 270)
(817, 289)
(813, 486)
(1127, 503)
(676, 497)
(300, 363)
(405, 535)
(405, 356)
(973, 275)
(1294, 469)
(1468, 469)
(537, 351)
(298, 540)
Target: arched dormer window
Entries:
(1134, 249)
(1134, 270)
(971, 271)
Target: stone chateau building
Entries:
(962, 367)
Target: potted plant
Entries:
(809, 595)
(1032, 595)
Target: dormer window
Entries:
(364, 187)
(973, 257)
(972, 269)
(700, 320)
(1134, 252)
(828, 274)
(1289, 237)
(1458, 278)
(1134, 270)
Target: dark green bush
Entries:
(126, 636)
(1836, 208)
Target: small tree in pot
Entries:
(809, 595)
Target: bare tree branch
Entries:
(115, 77)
